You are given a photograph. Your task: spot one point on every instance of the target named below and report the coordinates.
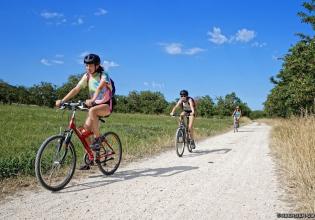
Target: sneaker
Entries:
(86, 166)
(96, 144)
(193, 145)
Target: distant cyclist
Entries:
(237, 114)
(100, 88)
(187, 104)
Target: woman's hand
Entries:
(89, 102)
(58, 103)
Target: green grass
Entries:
(24, 128)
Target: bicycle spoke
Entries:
(55, 163)
(110, 153)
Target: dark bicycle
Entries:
(182, 137)
(236, 124)
(56, 158)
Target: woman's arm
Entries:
(71, 94)
(91, 101)
(175, 107)
(192, 107)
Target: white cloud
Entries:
(244, 35)
(276, 58)
(257, 44)
(51, 62)
(79, 21)
(49, 15)
(154, 85)
(53, 18)
(109, 64)
(216, 36)
(173, 48)
(45, 62)
(194, 50)
(57, 61)
(100, 12)
(177, 49)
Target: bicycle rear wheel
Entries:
(180, 142)
(110, 154)
(55, 163)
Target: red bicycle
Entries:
(56, 158)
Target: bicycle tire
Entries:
(110, 153)
(189, 146)
(180, 142)
(53, 157)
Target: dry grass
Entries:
(10, 186)
(293, 144)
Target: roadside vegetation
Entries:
(293, 144)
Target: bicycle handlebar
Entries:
(177, 114)
(74, 106)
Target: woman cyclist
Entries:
(236, 116)
(188, 107)
(100, 90)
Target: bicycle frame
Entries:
(81, 135)
(185, 125)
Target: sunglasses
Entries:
(183, 96)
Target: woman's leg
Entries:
(92, 121)
(181, 117)
(190, 126)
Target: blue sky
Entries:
(208, 47)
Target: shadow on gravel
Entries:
(197, 152)
(127, 175)
(246, 131)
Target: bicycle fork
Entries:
(64, 142)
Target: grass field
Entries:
(24, 128)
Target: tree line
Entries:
(146, 102)
(294, 85)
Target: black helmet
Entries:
(183, 93)
(92, 59)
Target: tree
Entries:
(43, 94)
(121, 104)
(294, 89)
(152, 102)
(66, 88)
(205, 106)
(308, 17)
(133, 104)
(7, 94)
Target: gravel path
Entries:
(230, 176)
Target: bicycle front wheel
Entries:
(189, 147)
(55, 163)
(110, 153)
(180, 142)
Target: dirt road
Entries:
(230, 176)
